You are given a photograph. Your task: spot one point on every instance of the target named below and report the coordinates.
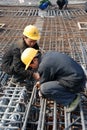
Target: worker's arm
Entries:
(36, 76)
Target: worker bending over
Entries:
(59, 77)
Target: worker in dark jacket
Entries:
(86, 6)
(62, 4)
(60, 77)
(11, 61)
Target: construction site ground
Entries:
(61, 30)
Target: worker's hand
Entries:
(36, 76)
(38, 85)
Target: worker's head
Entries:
(29, 58)
(31, 35)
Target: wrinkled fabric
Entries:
(52, 90)
(61, 77)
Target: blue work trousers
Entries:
(54, 91)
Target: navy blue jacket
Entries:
(60, 67)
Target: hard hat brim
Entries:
(27, 66)
(33, 38)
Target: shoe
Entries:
(73, 104)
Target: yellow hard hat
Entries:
(31, 32)
(27, 56)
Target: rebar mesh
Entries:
(59, 31)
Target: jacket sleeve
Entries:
(19, 67)
(45, 75)
(7, 61)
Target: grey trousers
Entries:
(52, 90)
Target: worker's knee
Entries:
(48, 87)
(43, 88)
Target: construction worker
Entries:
(11, 60)
(85, 6)
(59, 77)
(43, 4)
(43, 7)
(62, 4)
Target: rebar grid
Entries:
(59, 32)
(12, 106)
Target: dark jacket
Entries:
(11, 60)
(86, 6)
(61, 3)
(59, 67)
